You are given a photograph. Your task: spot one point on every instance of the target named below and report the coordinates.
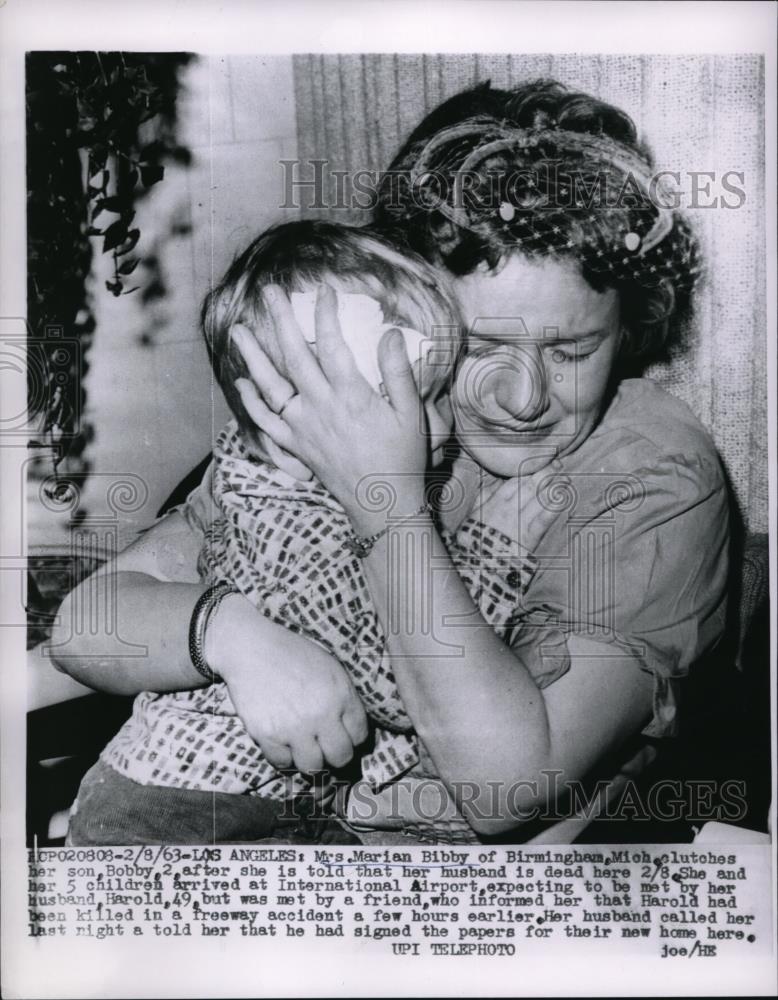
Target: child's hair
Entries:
(295, 254)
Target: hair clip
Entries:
(632, 242)
(660, 229)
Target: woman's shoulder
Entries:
(644, 428)
(649, 462)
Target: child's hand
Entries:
(295, 700)
(322, 411)
(523, 507)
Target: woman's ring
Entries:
(280, 413)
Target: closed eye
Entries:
(568, 353)
(564, 357)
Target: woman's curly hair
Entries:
(542, 170)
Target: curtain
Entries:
(697, 113)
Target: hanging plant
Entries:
(100, 128)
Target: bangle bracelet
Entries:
(204, 611)
(362, 545)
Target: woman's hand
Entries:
(295, 700)
(321, 410)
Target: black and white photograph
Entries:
(388, 518)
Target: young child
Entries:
(278, 539)
(282, 540)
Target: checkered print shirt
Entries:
(281, 543)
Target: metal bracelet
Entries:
(362, 545)
(204, 610)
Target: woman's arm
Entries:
(503, 745)
(125, 628)
(295, 700)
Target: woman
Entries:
(537, 205)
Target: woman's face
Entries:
(541, 350)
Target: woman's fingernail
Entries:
(270, 294)
(239, 336)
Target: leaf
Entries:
(129, 266)
(151, 173)
(120, 206)
(132, 238)
(112, 204)
(181, 155)
(62, 492)
(152, 150)
(115, 234)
